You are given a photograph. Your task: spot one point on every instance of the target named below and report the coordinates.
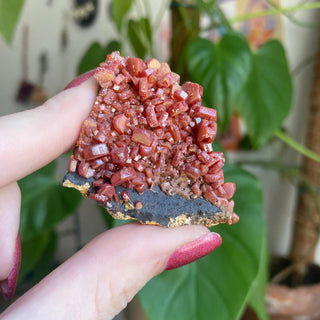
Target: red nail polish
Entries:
(80, 79)
(194, 250)
(8, 286)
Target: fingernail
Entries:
(8, 286)
(80, 79)
(194, 250)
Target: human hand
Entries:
(100, 279)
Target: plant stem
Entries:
(297, 146)
(303, 64)
(160, 14)
(294, 20)
(268, 165)
(272, 11)
(139, 8)
(224, 20)
(147, 8)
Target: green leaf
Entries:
(258, 290)
(222, 69)
(31, 252)
(119, 9)
(266, 99)
(140, 35)
(206, 5)
(218, 285)
(9, 15)
(96, 54)
(44, 202)
(46, 262)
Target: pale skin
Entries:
(99, 280)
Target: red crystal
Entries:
(146, 129)
(95, 151)
(143, 136)
(72, 166)
(119, 123)
(122, 176)
(205, 113)
(194, 92)
(135, 66)
(138, 205)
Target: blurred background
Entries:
(53, 41)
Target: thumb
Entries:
(99, 280)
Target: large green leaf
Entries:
(222, 69)
(38, 256)
(266, 99)
(119, 9)
(95, 54)
(47, 262)
(44, 202)
(31, 252)
(140, 35)
(217, 286)
(257, 293)
(9, 15)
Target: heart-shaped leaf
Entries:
(218, 285)
(266, 99)
(222, 69)
(95, 54)
(44, 202)
(9, 15)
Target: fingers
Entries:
(98, 281)
(8, 285)
(9, 224)
(35, 137)
(10, 253)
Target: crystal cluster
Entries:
(146, 129)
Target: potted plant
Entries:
(256, 85)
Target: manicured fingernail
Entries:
(194, 250)
(8, 286)
(80, 79)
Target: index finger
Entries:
(33, 138)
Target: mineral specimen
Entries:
(145, 151)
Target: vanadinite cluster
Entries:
(146, 129)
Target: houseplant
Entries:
(255, 84)
(220, 284)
